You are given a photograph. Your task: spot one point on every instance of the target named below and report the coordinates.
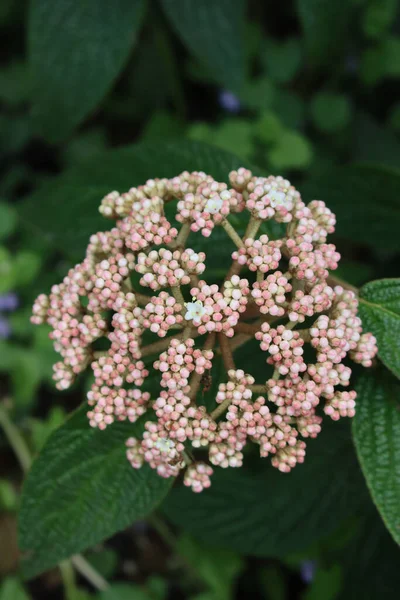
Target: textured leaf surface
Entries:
(365, 200)
(258, 510)
(80, 490)
(76, 50)
(380, 312)
(371, 562)
(212, 30)
(325, 26)
(376, 430)
(65, 211)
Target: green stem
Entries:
(15, 440)
(235, 237)
(68, 578)
(89, 573)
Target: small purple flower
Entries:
(8, 302)
(228, 101)
(307, 570)
(5, 328)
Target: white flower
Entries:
(278, 199)
(214, 205)
(165, 446)
(194, 310)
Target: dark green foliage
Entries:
(80, 490)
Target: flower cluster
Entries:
(151, 330)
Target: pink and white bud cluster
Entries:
(101, 304)
(154, 230)
(112, 404)
(179, 361)
(209, 207)
(259, 255)
(285, 347)
(272, 197)
(220, 311)
(197, 476)
(157, 449)
(318, 299)
(249, 420)
(162, 268)
(107, 280)
(143, 200)
(270, 294)
(162, 313)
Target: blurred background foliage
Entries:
(304, 89)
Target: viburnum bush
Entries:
(140, 309)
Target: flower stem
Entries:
(333, 281)
(183, 235)
(89, 573)
(235, 237)
(195, 379)
(177, 294)
(142, 299)
(234, 269)
(249, 329)
(226, 352)
(258, 388)
(217, 412)
(15, 440)
(252, 227)
(163, 344)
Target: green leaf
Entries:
(258, 93)
(80, 490)
(375, 143)
(326, 584)
(378, 17)
(371, 563)
(330, 112)
(27, 265)
(291, 151)
(12, 589)
(65, 211)
(8, 220)
(235, 133)
(124, 591)
(380, 312)
(213, 31)
(25, 374)
(104, 561)
(290, 108)
(218, 567)
(41, 429)
(268, 127)
(394, 117)
(13, 88)
(282, 60)
(376, 431)
(364, 199)
(258, 510)
(381, 61)
(76, 51)
(8, 497)
(325, 26)
(162, 125)
(273, 582)
(7, 272)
